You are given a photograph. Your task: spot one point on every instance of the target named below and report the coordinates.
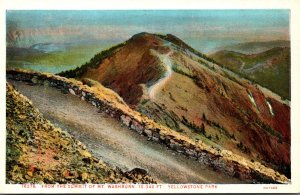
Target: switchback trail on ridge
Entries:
(107, 139)
(165, 60)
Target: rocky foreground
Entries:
(38, 152)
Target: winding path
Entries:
(164, 58)
(115, 144)
(254, 68)
(242, 66)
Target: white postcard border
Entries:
(292, 5)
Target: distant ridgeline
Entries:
(269, 68)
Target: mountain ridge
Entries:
(105, 53)
(200, 99)
(255, 46)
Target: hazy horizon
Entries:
(204, 30)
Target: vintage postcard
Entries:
(150, 98)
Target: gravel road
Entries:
(115, 144)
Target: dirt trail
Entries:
(165, 59)
(116, 145)
(242, 66)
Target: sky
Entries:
(204, 30)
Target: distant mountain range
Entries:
(270, 68)
(13, 52)
(40, 48)
(177, 86)
(255, 46)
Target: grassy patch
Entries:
(272, 71)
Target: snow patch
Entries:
(252, 99)
(72, 91)
(270, 108)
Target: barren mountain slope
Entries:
(181, 88)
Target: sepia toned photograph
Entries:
(167, 100)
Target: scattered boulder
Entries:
(126, 120)
(72, 91)
(138, 171)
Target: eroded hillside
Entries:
(173, 84)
